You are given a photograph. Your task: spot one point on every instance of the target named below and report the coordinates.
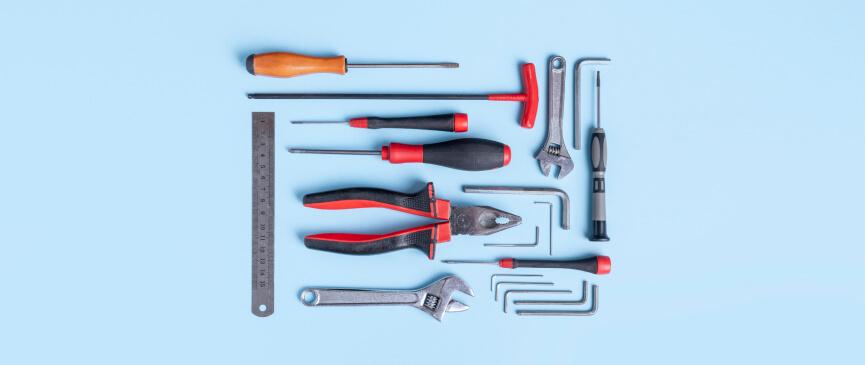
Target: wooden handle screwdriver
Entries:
(284, 64)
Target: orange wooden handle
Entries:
(284, 64)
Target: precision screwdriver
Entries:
(456, 122)
(600, 265)
(471, 154)
(284, 64)
(599, 168)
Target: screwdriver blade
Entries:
(470, 262)
(404, 65)
(333, 152)
(318, 122)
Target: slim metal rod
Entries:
(505, 295)
(581, 301)
(334, 152)
(598, 97)
(404, 65)
(499, 284)
(470, 262)
(494, 276)
(367, 96)
(318, 122)
(589, 312)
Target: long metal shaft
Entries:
(404, 65)
(334, 152)
(368, 96)
(470, 262)
(319, 121)
(598, 98)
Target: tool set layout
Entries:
(467, 154)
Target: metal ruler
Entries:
(262, 213)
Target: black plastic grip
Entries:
(419, 203)
(421, 238)
(589, 264)
(440, 122)
(472, 154)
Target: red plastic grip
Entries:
(461, 122)
(506, 263)
(529, 96)
(604, 265)
(402, 153)
(357, 122)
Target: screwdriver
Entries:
(456, 122)
(599, 168)
(471, 154)
(284, 64)
(600, 265)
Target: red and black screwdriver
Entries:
(600, 265)
(455, 122)
(471, 154)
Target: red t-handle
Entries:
(529, 96)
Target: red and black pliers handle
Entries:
(422, 203)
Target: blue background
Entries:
(735, 185)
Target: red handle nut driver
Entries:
(470, 220)
(470, 154)
(600, 265)
(528, 96)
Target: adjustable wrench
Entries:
(434, 299)
(554, 151)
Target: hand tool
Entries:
(550, 225)
(522, 190)
(591, 311)
(455, 122)
(528, 96)
(554, 151)
(600, 265)
(469, 220)
(499, 284)
(520, 291)
(582, 300)
(599, 168)
(494, 276)
(262, 213)
(434, 299)
(537, 239)
(470, 154)
(579, 68)
(285, 64)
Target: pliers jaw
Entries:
(481, 220)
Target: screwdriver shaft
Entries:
(470, 262)
(334, 152)
(404, 65)
(318, 122)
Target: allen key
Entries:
(550, 225)
(589, 312)
(493, 277)
(496, 293)
(537, 239)
(582, 300)
(520, 291)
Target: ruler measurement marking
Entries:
(262, 213)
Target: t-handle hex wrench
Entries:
(599, 168)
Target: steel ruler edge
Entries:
(263, 151)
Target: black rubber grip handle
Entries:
(420, 203)
(596, 265)
(472, 154)
(599, 189)
(421, 238)
(440, 122)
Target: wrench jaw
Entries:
(562, 160)
(437, 298)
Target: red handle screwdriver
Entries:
(456, 122)
(600, 265)
(471, 154)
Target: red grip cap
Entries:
(506, 263)
(402, 153)
(461, 122)
(357, 122)
(604, 265)
(506, 159)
